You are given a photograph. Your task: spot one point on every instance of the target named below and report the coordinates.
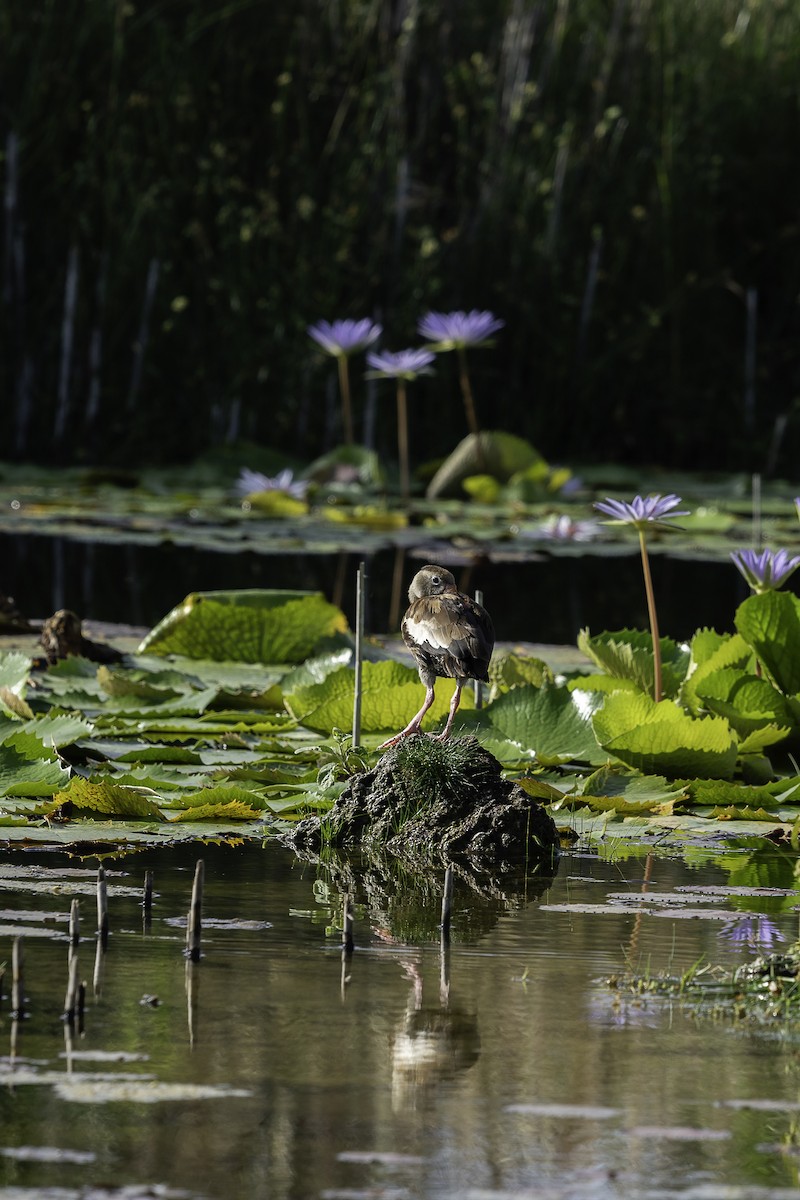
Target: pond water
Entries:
(502, 1067)
(539, 598)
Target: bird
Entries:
(449, 635)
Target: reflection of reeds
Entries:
(163, 252)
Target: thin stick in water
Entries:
(477, 682)
(347, 926)
(147, 901)
(447, 904)
(102, 907)
(74, 922)
(359, 650)
(17, 979)
(71, 998)
(194, 928)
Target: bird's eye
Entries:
(436, 579)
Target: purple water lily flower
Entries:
(253, 481)
(403, 364)
(455, 330)
(342, 338)
(642, 510)
(765, 570)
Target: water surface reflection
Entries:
(498, 1067)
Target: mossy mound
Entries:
(428, 801)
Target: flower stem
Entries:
(344, 388)
(651, 610)
(402, 438)
(469, 405)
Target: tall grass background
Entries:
(187, 186)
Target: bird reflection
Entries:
(432, 1043)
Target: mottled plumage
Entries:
(449, 635)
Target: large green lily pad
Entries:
(252, 625)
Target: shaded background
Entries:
(186, 187)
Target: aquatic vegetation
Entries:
(642, 512)
(765, 569)
(342, 339)
(404, 366)
(457, 331)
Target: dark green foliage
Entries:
(626, 173)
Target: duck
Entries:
(450, 636)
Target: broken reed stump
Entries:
(347, 926)
(194, 924)
(147, 900)
(17, 979)
(102, 907)
(447, 903)
(71, 997)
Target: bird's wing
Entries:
(452, 625)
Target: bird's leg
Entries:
(454, 703)
(414, 724)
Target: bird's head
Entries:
(431, 581)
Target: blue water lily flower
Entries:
(402, 364)
(342, 338)
(643, 513)
(765, 570)
(455, 330)
(642, 510)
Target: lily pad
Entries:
(663, 739)
(246, 626)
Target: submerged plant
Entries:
(641, 512)
(457, 331)
(341, 339)
(765, 570)
(404, 366)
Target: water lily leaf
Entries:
(499, 454)
(542, 791)
(28, 767)
(232, 810)
(366, 516)
(614, 780)
(129, 684)
(391, 695)
(509, 670)
(748, 702)
(246, 626)
(14, 705)
(483, 488)
(221, 794)
(628, 654)
(552, 721)
(602, 683)
(722, 794)
(770, 623)
(15, 669)
(711, 652)
(662, 739)
(738, 812)
(112, 799)
(315, 669)
(275, 503)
